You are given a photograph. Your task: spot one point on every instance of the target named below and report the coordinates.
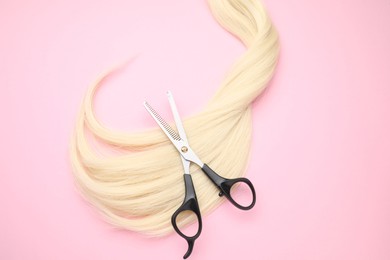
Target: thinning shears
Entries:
(190, 203)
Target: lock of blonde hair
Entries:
(140, 189)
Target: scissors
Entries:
(187, 155)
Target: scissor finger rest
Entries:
(190, 203)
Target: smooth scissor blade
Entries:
(180, 129)
(176, 116)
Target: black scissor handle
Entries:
(225, 186)
(190, 203)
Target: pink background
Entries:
(321, 148)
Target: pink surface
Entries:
(321, 147)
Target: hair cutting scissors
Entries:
(187, 155)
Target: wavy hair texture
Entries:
(140, 189)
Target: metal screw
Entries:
(184, 149)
